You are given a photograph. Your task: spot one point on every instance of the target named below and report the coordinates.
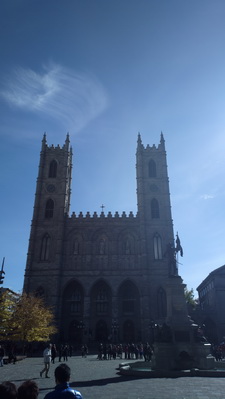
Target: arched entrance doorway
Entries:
(72, 325)
(129, 312)
(128, 331)
(101, 331)
(75, 332)
(101, 311)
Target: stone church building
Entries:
(106, 277)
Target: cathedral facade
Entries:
(106, 277)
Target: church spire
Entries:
(139, 138)
(139, 142)
(67, 142)
(162, 141)
(44, 141)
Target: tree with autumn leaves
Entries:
(25, 318)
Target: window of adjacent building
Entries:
(152, 168)
(49, 208)
(45, 246)
(157, 246)
(154, 209)
(52, 169)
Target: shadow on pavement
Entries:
(104, 381)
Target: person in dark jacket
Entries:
(2, 354)
(54, 353)
(63, 389)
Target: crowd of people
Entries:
(11, 356)
(126, 351)
(218, 351)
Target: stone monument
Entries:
(179, 343)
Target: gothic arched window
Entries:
(154, 208)
(45, 246)
(152, 168)
(101, 299)
(52, 169)
(102, 247)
(127, 246)
(74, 301)
(128, 243)
(76, 247)
(102, 302)
(161, 303)
(129, 298)
(157, 246)
(49, 208)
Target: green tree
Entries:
(190, 297)
(28, 319)
(8, 301)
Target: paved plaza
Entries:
(100, 380)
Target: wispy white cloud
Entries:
(207, 196)
(71, 97)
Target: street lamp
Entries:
(152, 327)
(115, 328)
(81, 327)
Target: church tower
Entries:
(51, 206)
(153, 199)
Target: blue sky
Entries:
(104, 70)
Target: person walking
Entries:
(65, 353)
(60, 352)
(2, 354)
(63, 389)
(47, 354)
(54, 352)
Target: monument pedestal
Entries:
(182, 356)
(177, 345)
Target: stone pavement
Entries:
(99, 380)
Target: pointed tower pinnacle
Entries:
(139, 142)
(162, 141)
(67, 142)
(44, 141)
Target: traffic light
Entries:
(2, 272)
(2, 276)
